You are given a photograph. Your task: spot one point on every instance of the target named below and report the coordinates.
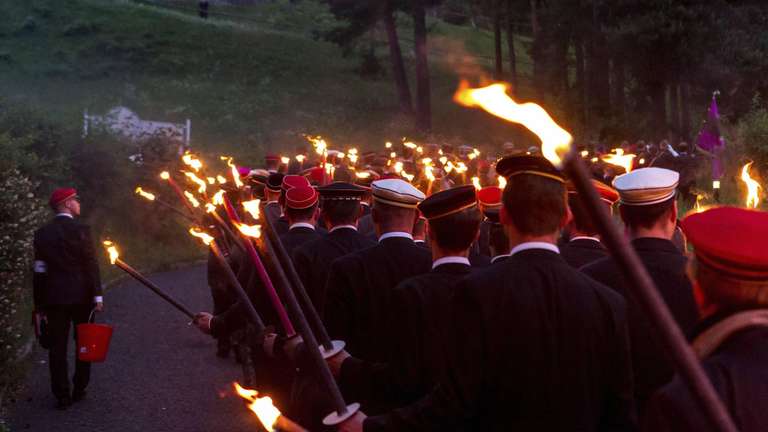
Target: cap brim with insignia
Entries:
(514, 165)
(730, 241)
(448, 202)
(341, 191)
(646, 186)
(396, 192)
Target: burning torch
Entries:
(556, 147)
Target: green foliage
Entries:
(752, 133)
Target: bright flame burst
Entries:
(112, 251)
(698, 207)
(165, 175)
(145, 194)
(218, 197)
(494, 99)
(476, 183)
(363, 174)
(221, 179)
(300, 158)
(192, 200)
(252, 207)
(203, 236)
(618, 158)
(233, 170)
(753, 198)
(201, 185)
(502, 182)
(249, 230)
(261, 406)
(321, 147)
(285, 160)
(191, 161)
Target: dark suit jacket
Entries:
(532, 345)
(365, 226)
(580, 252)
(313, 260)
(66, 269)
(359, 290)
(667, 267)
(296, 237)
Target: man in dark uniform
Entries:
(532, 344)
(419, 310)
(340, 207)
(272, 191)
(489, 202)
(584, 246)
(649, 210)
(730, 269)
(360, 285)
(288, 182)
(365, 224)
(301, 211)
(67, 288)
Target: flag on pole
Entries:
(710, 139)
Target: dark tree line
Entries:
(615, 68)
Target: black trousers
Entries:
(61, 318)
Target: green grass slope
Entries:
(250, 82)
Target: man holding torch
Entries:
(532, 344)
(730, 274)
(67, 288)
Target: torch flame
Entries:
(252, 207)
(363, 174)
(190, 160)
(235, 174)
(410, 145)
(218, 197)
(285, 160)
(476, 182)
(165, 175)
(210, 208)
(192, 200)
(620, 159)
(203, 236)
(300, 158)
(502, 182)
(263, 407)
(200, 182)
(494, 99)
(112, 251)
(221, 179)
(211, 180)
(387, 144)
(145, 194)
(249, 230)
(698, 208)
(753, 199)
(428, 172)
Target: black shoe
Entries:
(64, 403)
(77, 396)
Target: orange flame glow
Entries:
(285, 160)
(235, 174)
(753, 198)
(476, 183)
(192, 200)
(502, 182)
(145, 194)
(191, 161)
(112, 251)
(218, 197)
(211, 180)
(363, 174)
(165, 175)
(249, 230)
(618, 158)
(252, 207)
(221, 179)
(201, 185)
(555, 141)
(261, 406)
(203, 236)
(300, 158)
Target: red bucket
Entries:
(93, 342)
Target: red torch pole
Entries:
(166, 176)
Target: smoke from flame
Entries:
(753, 198)
(494, 99)
(112, 251)
(145, 194)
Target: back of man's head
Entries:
(389, 218)
(455, 232)
(535, 205)
(647, 216)
(341, 212)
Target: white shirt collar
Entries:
(534, 245)
(272, 202)
(395, 234)
(302, 225)
(65, 215)
(450, 260)
(498, 257)
(338, 227)
(585, 238)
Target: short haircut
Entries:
(341, 212)
(729, 293)
(457, 231)
(389, 215)
(581, 219)
(536, 205)
(497, 239)
(646, 216)
(418, 227)
(300, 214)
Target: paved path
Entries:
(160, 375)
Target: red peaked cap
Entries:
(60, 195)
(489, 196)
(314, 175)
(607, 193)
(292, 181)
(301, 197)
(730, 240)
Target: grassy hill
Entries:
(251, 79)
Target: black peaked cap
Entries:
(448, 202)
(275, 182)
(510, 166)
(341, 191)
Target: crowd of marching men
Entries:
(477, 295)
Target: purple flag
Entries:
(710, 139)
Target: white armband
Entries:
(40, 267)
